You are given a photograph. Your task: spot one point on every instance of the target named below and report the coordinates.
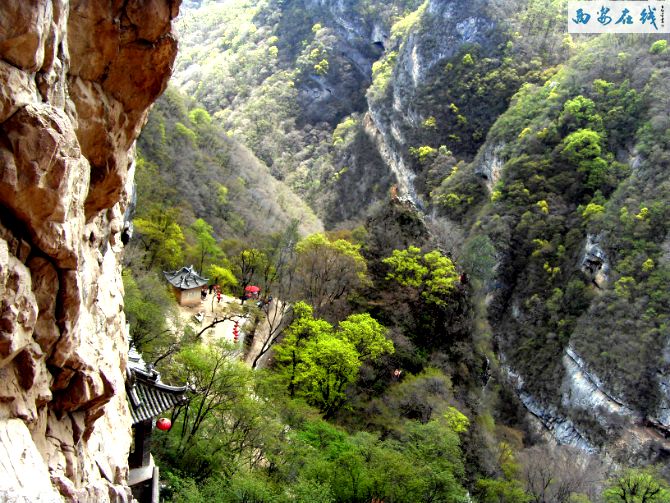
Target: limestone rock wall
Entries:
(76, 80)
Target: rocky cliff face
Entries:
(580, 393)
(442, 30)
(76, 80)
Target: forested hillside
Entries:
(485, 317)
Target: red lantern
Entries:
(236, 332)
(164, 424)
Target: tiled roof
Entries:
(185, 278)
(147, 395)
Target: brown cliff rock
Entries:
(76, 81)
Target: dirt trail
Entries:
(211, 310)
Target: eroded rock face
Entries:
(446, 27)
(594, 262)
(76, 81)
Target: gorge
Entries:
(492, 189)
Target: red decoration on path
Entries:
(164, 424)
(236, 332)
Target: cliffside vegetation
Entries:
(581, 160)
(419, 325)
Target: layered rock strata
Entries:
(76, 80)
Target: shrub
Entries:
(659, 47)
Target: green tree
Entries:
(222, 426)
(328, 365)
(583, 148)
(321, 68)
(199, 117)
(288, 354)
(247, 266)
(501, 491)
(366, 335)
(479, 257)
(221, 276)
(582, 145)
(318, 362)
(423, 153)
(203, 248)
(423, 462)
(327, 270)
(432, 274)
(309, 491)
(216, 377)
(148, 305)
(433, 449)
(243, 487)
(637, 486)
(580, 112)
(659, 47)
(162, 238)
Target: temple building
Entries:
(148, 397)
(186, 285)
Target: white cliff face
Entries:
(448, 25)
(664, 377)
(561, 428)
(583, 389)
(76, 81)
(595, 263)
(664, 385)
(489, 164)
(377, 130)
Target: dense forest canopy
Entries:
(460, 212)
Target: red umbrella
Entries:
(252, 289)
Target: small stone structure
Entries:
(186, 284)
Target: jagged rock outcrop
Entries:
(489, 165)
(560, 427)
(357, 41)
(76, 81)
(594, 262)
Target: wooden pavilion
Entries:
(148, 397)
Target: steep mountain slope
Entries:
(571, 231)
(538, 159)
(579, 224)
(188, 162)
(280, 76)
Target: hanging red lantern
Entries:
(236, 332)
(164, 424)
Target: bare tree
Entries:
(277, 279)
(553, 473)
(327, 271)
(275, 320)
